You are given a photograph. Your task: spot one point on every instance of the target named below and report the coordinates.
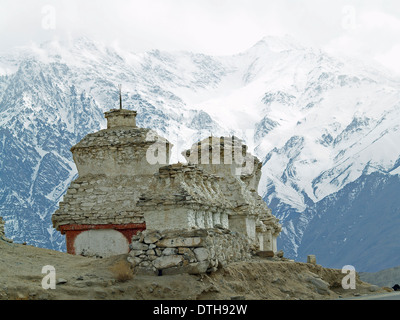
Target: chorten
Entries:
(125, 185)
(240, 174)
(98, 214)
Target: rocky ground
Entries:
(81, 278)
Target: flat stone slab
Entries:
(180, 242)
(165, 262)
(265, 254)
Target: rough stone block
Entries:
(311, 259)
(170, 251)
(139, 246)
(165, 262)
(184, 250)
(134, 260)
(198, 267)
(135, 253)
(150, 252)
(265, 254)
(180, 242)
(187, 254)
(152, 238)
(202, 254)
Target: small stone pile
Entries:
(194, 251)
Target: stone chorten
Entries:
(126, 185)
(98, 214)
(240, 174)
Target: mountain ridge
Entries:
(318, 123)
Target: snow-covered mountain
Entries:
(326, 129)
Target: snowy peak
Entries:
(277, 44)
(318, 123)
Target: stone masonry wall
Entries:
(102, 200)
(187, 251)
(183, 196)
(120, 151)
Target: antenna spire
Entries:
(120, 96)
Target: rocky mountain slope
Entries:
(384, 278)
(325, 128)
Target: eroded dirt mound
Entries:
(80, 278)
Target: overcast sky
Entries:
(365, 28)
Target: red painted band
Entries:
(71, 231)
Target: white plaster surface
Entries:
(102, 243)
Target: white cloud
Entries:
(390, 59)
(373, 35)
(367, 28)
